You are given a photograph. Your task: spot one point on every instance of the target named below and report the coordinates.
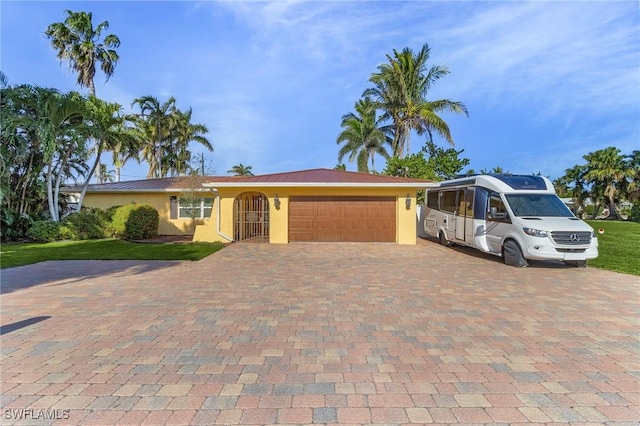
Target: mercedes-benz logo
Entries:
(574, 238)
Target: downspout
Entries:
(220, 233)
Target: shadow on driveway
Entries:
(470, 251)
(70, 271)
(8, 328)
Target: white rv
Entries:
(514, 216)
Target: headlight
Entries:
(535, 232)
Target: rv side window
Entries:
(448, 201)
(500, 212)
(432, 200)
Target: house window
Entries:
(199, 208)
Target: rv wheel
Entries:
(512, 254)
(443, 240)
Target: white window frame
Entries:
(201, 208)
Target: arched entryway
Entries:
(251, 217)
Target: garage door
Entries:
(342, 219)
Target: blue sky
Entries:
(544, 82)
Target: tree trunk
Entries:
(613, 213)
(53, 212)
(63, 162)
(85, 185)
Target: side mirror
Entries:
(493, 211)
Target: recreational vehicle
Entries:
(514, 216)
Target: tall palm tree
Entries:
(154, 125)
(400, 90)
(241, 170)
(82, 45)
(166, 132)
(606, 168)
(362, 137)
(184, 133)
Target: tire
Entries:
(512, 254)
(442, 239)
(576, 263)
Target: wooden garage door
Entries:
(342, 219)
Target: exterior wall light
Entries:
(407, 202)
(276, 202)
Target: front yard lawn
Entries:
(18, 254)
(619, 246)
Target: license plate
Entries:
(573, 256)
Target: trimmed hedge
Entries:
(88, 224)
(135, 221)
(45, 231)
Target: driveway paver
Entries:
(319, 333)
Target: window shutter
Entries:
(173, 207)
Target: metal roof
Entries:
(302, 178)
(318, 178)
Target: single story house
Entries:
(307, 205)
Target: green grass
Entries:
(18, 254)
(619, 246)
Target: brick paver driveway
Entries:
(319, 333)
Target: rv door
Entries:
(498, 223)
(464, 215)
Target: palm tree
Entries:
(561, 186)
(21, 153)
(125, 150)
(108, 127)
(575, 179)
(241, 170)
(82, 45)
(400, 90)
(184, 132)
(54, 123)
(154, 125)
(607, 168)
(496, 170)
(362, 137)
(106, 174)
(166, 132)
(631, 188)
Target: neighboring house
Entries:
(307, 205)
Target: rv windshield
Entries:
(538, 205)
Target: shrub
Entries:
(87, 224)
(66, 233)
(14, 226)
(45, 231)
(136, 221)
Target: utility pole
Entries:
(202, 163)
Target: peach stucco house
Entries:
(307, 205)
